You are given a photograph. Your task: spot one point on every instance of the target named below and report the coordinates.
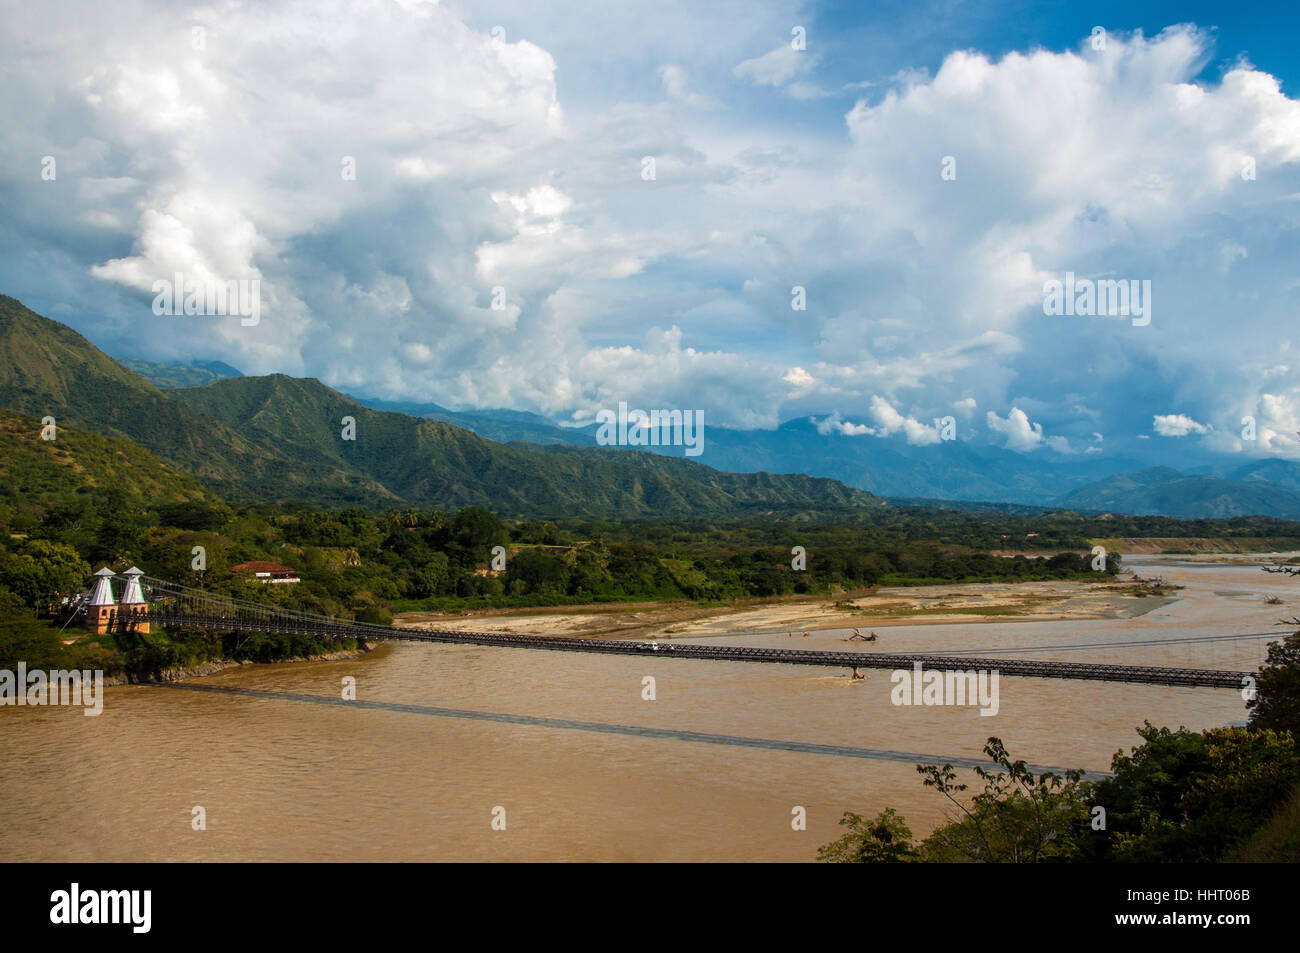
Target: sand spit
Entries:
(889, 606)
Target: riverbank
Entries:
(1048, 600)
(214, 666)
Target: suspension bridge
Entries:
(174, 606)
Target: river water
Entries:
(566, 751)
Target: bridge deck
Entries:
(1032, 668)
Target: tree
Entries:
(1146, 790)
(540, 572)
(40, 571)
(1187, 797)
(120, 525)
(1251, 774)
(884, 840)
(194, 515)
(375, 615)
(1276, 704)
(476, 531)
(1019, 817)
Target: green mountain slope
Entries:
(1163, 491)
(277, 438)
(431, 463)
(46, 368)
(36, 474)
(1284, 473)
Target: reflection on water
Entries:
(447, 733)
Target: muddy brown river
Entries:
(449, 744)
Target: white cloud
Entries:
(775, 68)
(836, 424)
(784, 67)
(1177, 425)
(888, 421)
(1018, 432)
(800, 381)
(806, 91)
(472, 174)
(676, 87)
(1279, 422)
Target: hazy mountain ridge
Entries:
(952, 470)
(175, 374)
(277, 438)
(426, 461)
(1164, 491)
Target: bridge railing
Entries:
(185, 606)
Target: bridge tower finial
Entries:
(132, 596)
(102, 608)
(133, 609)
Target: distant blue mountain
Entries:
(952, 470)
(504, 426)
(952, 473)
(1163, 491)
(176, 374)
(1282, 473)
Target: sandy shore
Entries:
(920, 605)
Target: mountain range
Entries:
(1165, 491)
(176, 374)
(280, 438)
(949, 474)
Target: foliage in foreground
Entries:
(1179, 797)
(1019, 817)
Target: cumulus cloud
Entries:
(1023, 207)
(800, 381)
(834, 423)
(1177, 425)
(1017, 431)
(888, 421)
(1278, 428)
(472, 174)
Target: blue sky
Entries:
(503, 146)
